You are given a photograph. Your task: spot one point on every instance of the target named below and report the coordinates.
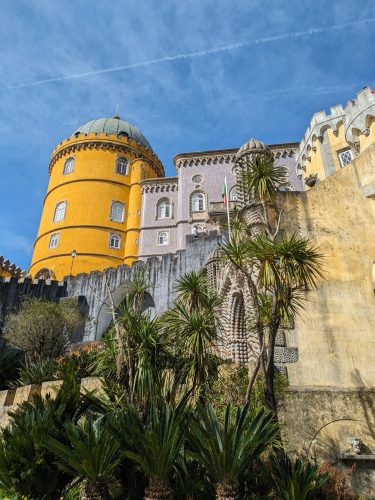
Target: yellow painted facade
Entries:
(89, 189)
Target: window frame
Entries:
(204, 201)
(166, 203)
(122, 218)
(55, 238)
(116, 237)
(60, 219)
(233, 189)
(118, 159)
(167, 233)
(73, 160)
(343, 151)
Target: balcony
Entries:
(218, 206)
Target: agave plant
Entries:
(36, 372)
(226, 451)
(296, 479)
(91, 456)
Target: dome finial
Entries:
(116, 115)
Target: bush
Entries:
(43, 329)
(10, 363)
(338, 484)
(36, 373)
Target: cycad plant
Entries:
(296, 479)
(154, 446)
(227, 450)
(89, 453)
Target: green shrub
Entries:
(37, 373)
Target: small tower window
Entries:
(122, 165)
(114, 241)
(346, 156)
(54, 240)
(59, 211)
(68, 166)
(233, 194)
(117, 211)
(198, 202)
(164, 209)
(163, 238)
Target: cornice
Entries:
(228, 155)
(106, 142)
(160, 185)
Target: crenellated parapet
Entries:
(111, 142)
(355, 119)
(8, 269)
(11, 399)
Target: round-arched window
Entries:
(198, 202)
(59, 211)
(68, 165)
(163, 238)
(164, 209)
(117, 211)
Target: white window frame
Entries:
(342, 153)
(69, 165)
(120, 169)
(112, 238)
(54, 240)
(166, 242)
(59, 213)
(195, 202)
(164, 209)
(119, 215)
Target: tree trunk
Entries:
(269, 391)
(227, 490)
(158, 489)
(94, 490)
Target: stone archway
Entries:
(104, 318)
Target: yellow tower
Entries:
(91, 213)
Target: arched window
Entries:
(122, 165)
(164, 209)
(59, 211)
(54, 240)
(117, 211)
(68, 165)
(114, 241)
(198, 202)
(45, 274)
(163, 238)
(233, 194)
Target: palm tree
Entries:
(193, 290)
(154, 446)
(295, 479)
(91, 456)
(195, 334)
(227, 451)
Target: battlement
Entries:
(11, 399)
(8, 267)
(103, 140)
(354, 117)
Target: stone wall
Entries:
(321, 422)
(12, 398)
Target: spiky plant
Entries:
(296, 479)
(227, 450)
(153, 445)
(90, 457)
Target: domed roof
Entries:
(114, 125)
(253, 146)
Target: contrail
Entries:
(199, 53)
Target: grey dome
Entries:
(114, 126)
(253, 146)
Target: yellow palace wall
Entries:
(89, 192)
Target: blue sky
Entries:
(194, 75)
